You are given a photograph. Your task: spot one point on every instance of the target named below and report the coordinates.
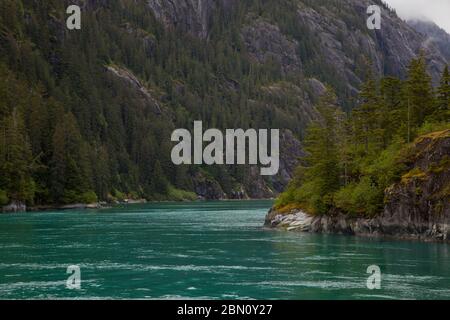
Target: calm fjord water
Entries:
(205, 250)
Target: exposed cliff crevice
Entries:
(133, 82)
(191, 16)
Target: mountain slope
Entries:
(323, 37)
(139, 69)
(434, 34)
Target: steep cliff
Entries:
(434, 34)
(191, 16)
(417, 207)
(339, 34)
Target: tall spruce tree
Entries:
(16, 162)
(321, 144)
(366, 116)
(391, 115)
(442, 110)
(70, 172)
(418, 100)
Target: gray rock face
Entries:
(341, 34)
(420, 203)
(399, 225)
(259, 187)
(317, 87)
(207, 188)
(189, 15)
(192, 16)
(434, 34)
(255, 186)
(265, 41)
(390, 49)
(132, 81)
(291, 150)
(15, 207)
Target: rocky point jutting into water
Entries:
(417, 207)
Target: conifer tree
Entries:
(366, 116)
(70, 178)
(418, 100)
(159, 182)
(16, 162)
(391, 111)
(321, 144)
(442, 110)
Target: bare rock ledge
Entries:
(299, 221)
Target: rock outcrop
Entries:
(15, 207)
(265, 41)
(207, 188)
(418, 207)
(434, 34)
(133, 82)
(191, 16)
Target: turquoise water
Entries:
(205, 250)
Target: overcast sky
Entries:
(435, 10)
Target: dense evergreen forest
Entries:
(71, 132)
(353, 158)
(86, 115)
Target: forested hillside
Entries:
(353, 159)
(86, 115)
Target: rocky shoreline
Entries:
(382, 226)
(20, 207)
